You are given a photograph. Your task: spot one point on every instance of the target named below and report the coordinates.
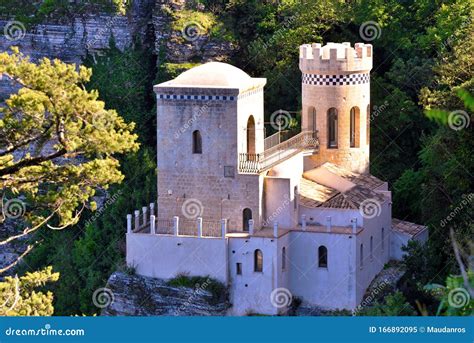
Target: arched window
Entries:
(371, 247)
(283, 258)
(354, 127)
(361, 253)
(368, 125)
(383, 238)
(295, 203)
(197, 142)
(322, 257)
(312, 119)
(258, 261)
(332, 128)
(246, 215)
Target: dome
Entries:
(214, 74)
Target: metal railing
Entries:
(256, 163)
(278, 137)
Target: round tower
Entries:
(336, 103)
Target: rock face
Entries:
(72, 38)
(199, 47)
(147, 21)
(135, 295)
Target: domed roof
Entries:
(214, 74)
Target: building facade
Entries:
(271, 216)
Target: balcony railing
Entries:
(256, 163)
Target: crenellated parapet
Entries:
(335, 58)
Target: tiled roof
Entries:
(408, 228)
(364, 180)
(314, 194)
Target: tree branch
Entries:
(28, 162)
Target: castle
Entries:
(276, 216)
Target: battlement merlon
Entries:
(335, 58)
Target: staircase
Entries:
(257, 163)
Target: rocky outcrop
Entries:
(188, 43)
(134, 295)
(70, 39)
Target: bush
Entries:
(217, 289)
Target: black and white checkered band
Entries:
(335, 80)
(196, 97)
(209, 97)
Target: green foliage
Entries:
(53, 119)
(172, 70)
(87, 253)
(454, 298)
(34, 12)
(394, 305)
(19, 295)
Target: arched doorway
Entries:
(246, 216)
(251, 136)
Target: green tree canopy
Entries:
(57, 143)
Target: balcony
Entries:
(277, 151)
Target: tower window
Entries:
(197, 142)
(238, 270)
(258, 261)
(361, 253)
(295, 203)
(312, 119)
(368, 125)
(322, 257)
(354, 129)
(283, 258)
(246, 215)
(371, 247)
(383, 238)
(332, 128)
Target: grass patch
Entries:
(217, 289)
(174, 69)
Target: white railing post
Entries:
(137, 220)
(145, 215)
(354, 225)
(176, 225)
(303, 222)
(129, 223)
(223, 227)
(199, 225)
(152, 224)
(152, 208)
(275, 229)
(251, 227)
(328, 224)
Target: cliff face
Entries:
(147, 21)
(72, 38)
(133, 295)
